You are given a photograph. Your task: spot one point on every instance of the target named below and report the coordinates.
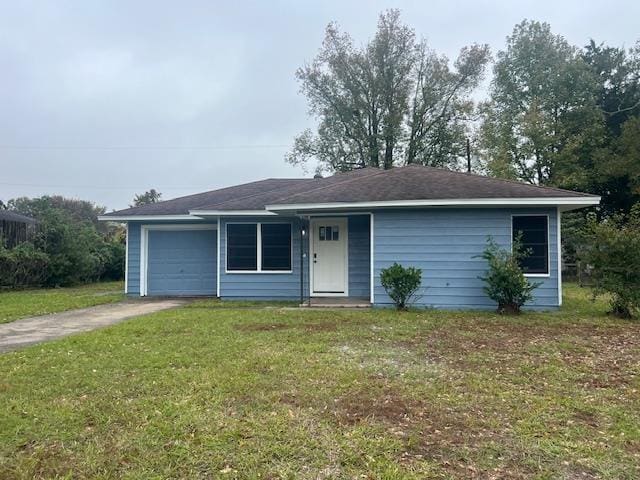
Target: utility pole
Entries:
(468, 156)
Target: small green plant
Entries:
(401, 284)
(505, 281)
(613, 254)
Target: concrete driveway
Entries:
(28, 331)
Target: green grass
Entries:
(27, 303)
(282, 393)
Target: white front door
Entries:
(329, 256)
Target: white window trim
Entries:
(312, 222)
(535, 275)
(144, 246)
(259, 249)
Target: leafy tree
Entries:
(613, 253)
(615, 174)
(146, 198)
(401, 284)
(611, 167)
(618, 74)
(389, 102)
(67, 233)
(79, 210)
(505, 282)
(542, 113)
(74, 249)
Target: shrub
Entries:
(114, 261)
(22, 266)
(401, 284)
(78, 248)
(613, 254)
(505, 281)
(74, 249)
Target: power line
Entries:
(102, 187)
(144, 147)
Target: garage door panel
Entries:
(182, 262)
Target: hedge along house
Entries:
(331, 237)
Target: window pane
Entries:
(321, 234)
(276, 246)
(242, 247)
(336, 235)
(329, 233)
(534, 238)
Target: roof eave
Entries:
(564, 203)
(231, 213)
(132, 218)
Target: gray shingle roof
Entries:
(416, 182)
(413, 182)
(10, 216)
(182, 205)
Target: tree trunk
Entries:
(388, 154)
(374, 147)
(509, 309)
(411, 152)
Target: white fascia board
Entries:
(131, 218)
(231, 213)
(571, 202)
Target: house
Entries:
(330, 237)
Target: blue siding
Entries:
(359, 261)
(445, 244)
(182, 262)
(133, 263)
(263, 286)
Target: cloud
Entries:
(100, 100)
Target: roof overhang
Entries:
(231, 213)
(135, 218)
(564, 203)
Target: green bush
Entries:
(113, 261)
(613, 254)
(401, 284)
(505, 282)
(78, 248)
(75, 249)
(22, 266)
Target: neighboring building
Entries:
(331, 237)
(15, 229)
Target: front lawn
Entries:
(203, 392)
(27, 303)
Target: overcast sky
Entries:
(103, 99)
